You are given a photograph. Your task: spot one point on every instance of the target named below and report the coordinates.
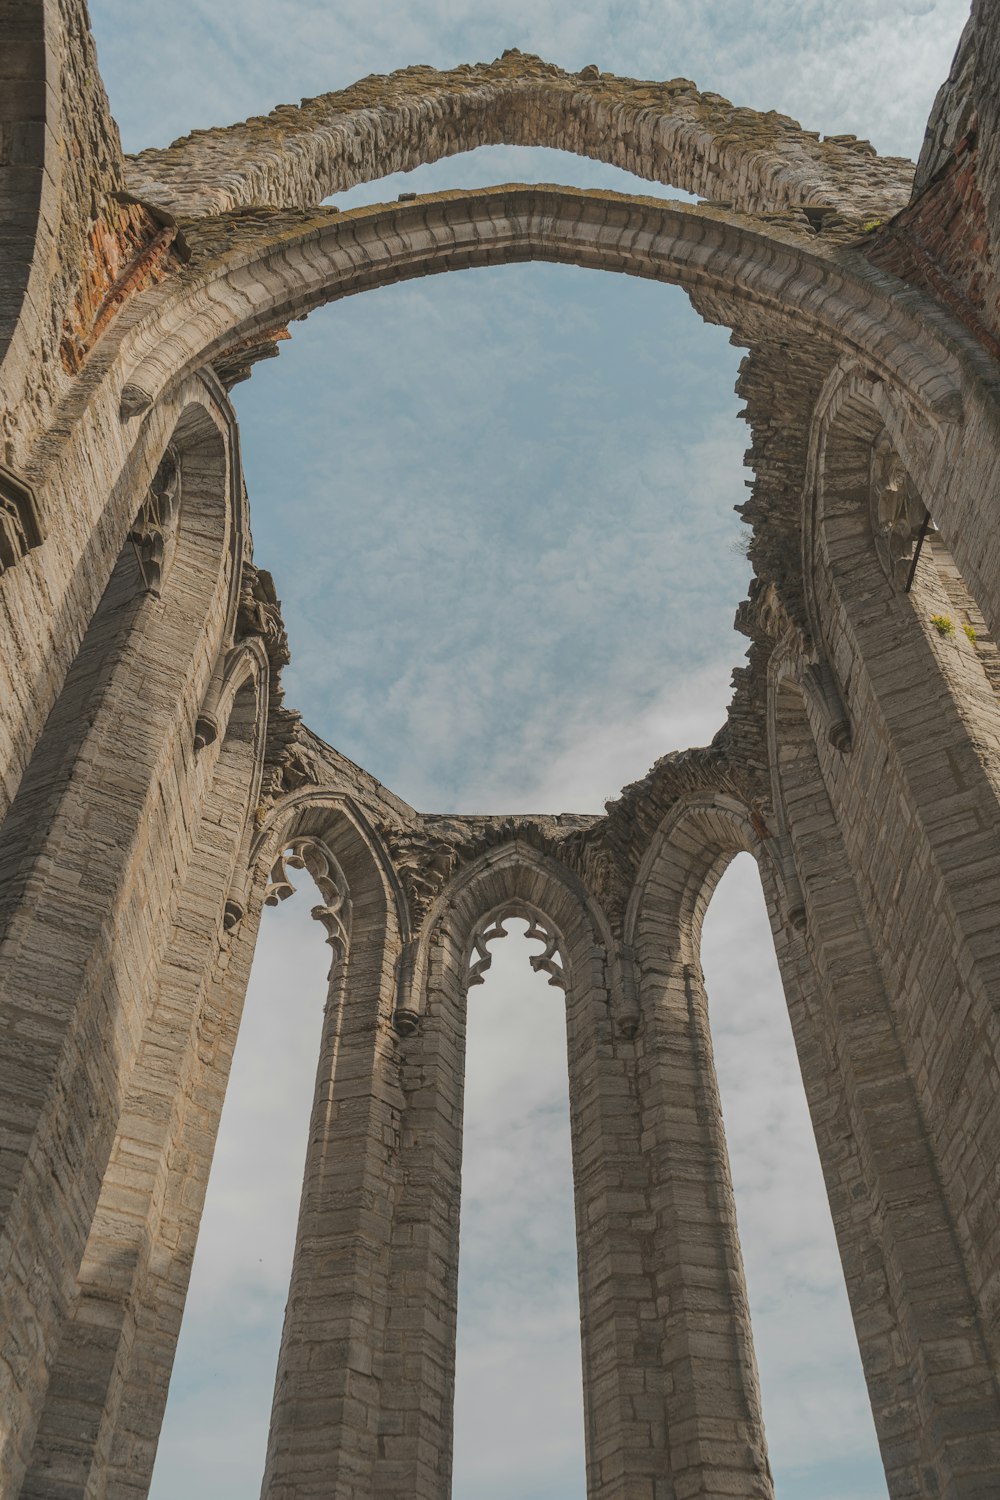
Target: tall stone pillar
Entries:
(711, 1434)
(932, 1384)
(670, 1389)
(323, 1441)
(418, 1370)
(101, 1420)
(107, 806)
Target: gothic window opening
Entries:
(215, 1430)
(518, 1383)
(821, 1439)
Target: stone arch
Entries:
(942, 449)
(868, 452)
(289, 265)
(90, 818)
(667, 132)
(319, 812)
(871, 1131)
(124, 1324)
(272, 267)
(509, 878)
(246, 662)
(633, 1196)
(687, 857)
(86, 526)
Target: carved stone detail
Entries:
(771, 613)
(424, 862)
(610, 878)
(259, 613)
(134, 401)
(238, 361)
(334, 912)
(156, 520)
(19, 526)
(549, 961)
(406, 1010)
(896, 512)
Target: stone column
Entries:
(931, 1382)
(670, 1390)
(625, 1394)
(324, 1438)
(95, 845)
(101, 1420)
(418, 1372)
(710, 1436)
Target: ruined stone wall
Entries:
(668, 132)
(946, 240)
(156, 791)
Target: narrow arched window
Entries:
(518, 1377)
(215, 1428)
(820, 1435)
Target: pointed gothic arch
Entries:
(667, 132)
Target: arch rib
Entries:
(254, 271)
(666, 132)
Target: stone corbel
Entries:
(232, 669)
(823, 690)
(238, 898)
(406, 1011)
(207, 725)
(135, 402)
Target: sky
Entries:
(498, 508)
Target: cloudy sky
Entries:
(498, 508)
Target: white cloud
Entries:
(537, 543)
(223, 60)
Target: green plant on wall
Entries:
(970, 633)
(943, 624)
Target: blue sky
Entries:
(498, 509)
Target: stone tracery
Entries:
(334, 912)
(547, 962)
